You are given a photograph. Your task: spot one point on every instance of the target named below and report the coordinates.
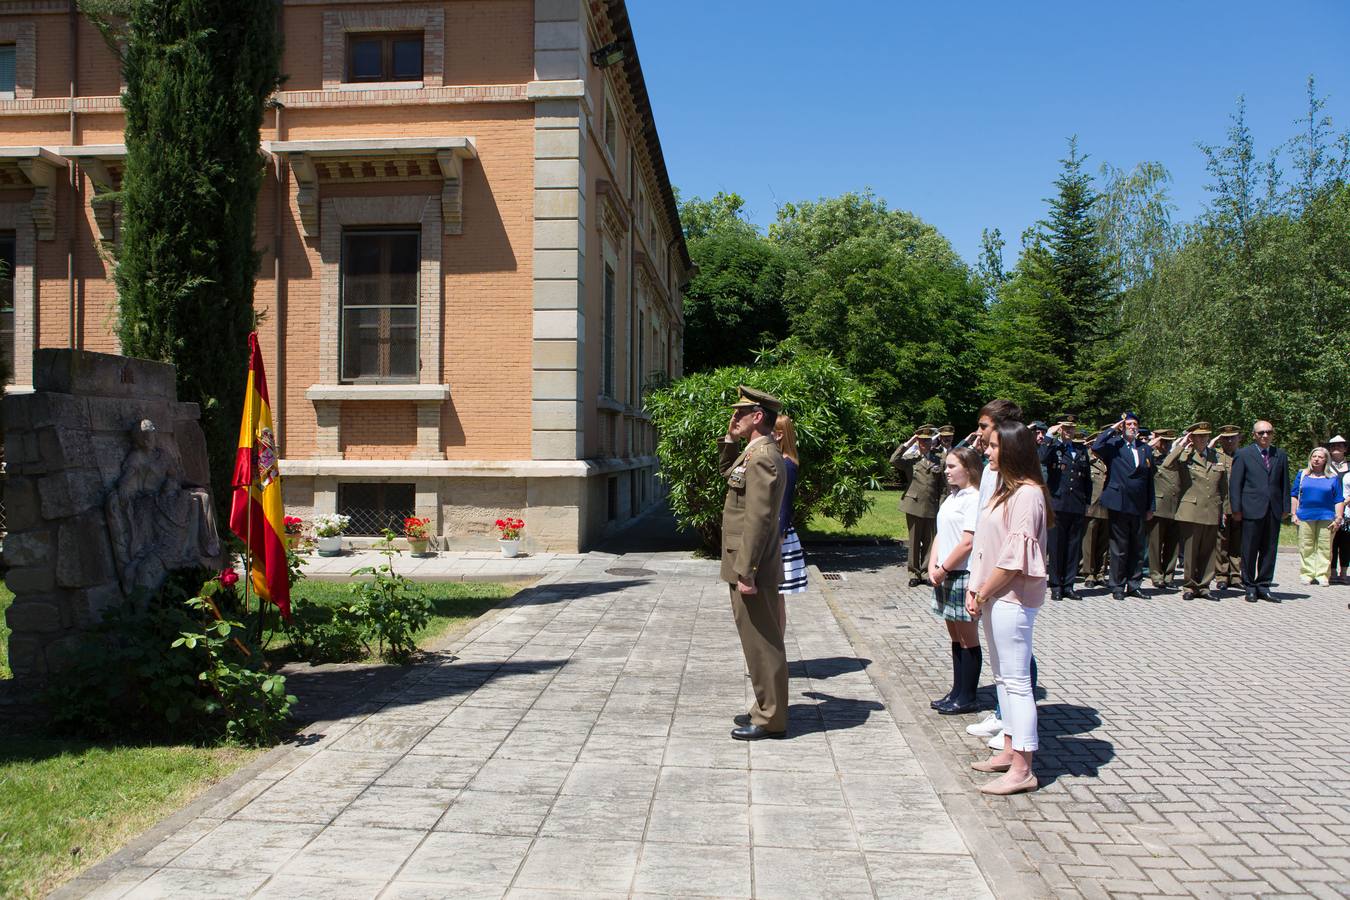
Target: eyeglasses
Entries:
(1267, 431)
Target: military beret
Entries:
(751, 397)
(1129, 415)
(1200, 428)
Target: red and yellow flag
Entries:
(256, 513)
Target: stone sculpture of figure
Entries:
(157, 523)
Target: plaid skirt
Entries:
(794, 564)
(949, 598)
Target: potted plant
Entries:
(508, 530)
(295, 526)
(328, 530)
(415, 530)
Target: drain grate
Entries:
(833, 576)
(630, 573)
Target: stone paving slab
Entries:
(576, 744)
(1188, 748)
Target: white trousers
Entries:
(1007, 634)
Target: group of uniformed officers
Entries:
(1128, 503)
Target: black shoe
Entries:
(1056, 595)
(1071, 594)
(1188, 595)
(756, 733)
(1119, 595)
(1203, 595)
(742, 720)
(915, 582)
(1135, 592)
(1265, 594)
(1251, 596)
(957, 708)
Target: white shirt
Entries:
(988, 484)
(956, 515)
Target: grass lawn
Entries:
(882, 520)
(66, 804)
(455, 604)
(6, 598)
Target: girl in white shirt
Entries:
(947, 572)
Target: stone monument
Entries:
(107, 490)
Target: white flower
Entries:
(331, 524)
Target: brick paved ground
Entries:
(576, 744)
(1187, 748)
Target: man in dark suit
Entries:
(1258, 491)
(1128, 500)
(1068, 468)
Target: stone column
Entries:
(559, 228)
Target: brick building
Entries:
(472, 258)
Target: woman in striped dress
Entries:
(794, 560)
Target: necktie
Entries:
(1265, 458)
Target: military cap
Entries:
(1200, 428)
(926, 431)
(1336, 440)
(947, 431)
(751, 397)
(1067, 419)
(1229, 431)
(1038, 425)
(1166, 434)
(1145, 433)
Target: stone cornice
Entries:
(471, 468)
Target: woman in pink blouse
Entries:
(1007, 579)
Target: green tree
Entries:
(198, 76)
(888, 296)
(737, 290)
(839, 433)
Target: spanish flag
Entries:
(256, 513)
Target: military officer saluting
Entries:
(1096, 538)
(752, 557)
(1202, 486)
(1228, 557)
(1069, 479)
(919, 469)
(1164, 535)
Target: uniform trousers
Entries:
(1340, 549)
(1200, 543)
(1096, 541)
(1228, 556)
(1127, 552)
(759, 624)
(922, 530)
(1065, 546)
(1164, 539)
(1260, 540)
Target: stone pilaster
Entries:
(559, 229)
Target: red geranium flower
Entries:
(229, 577)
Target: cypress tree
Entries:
(198, 77)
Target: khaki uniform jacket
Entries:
(1166, 490)
(1202, 484)
(752, 547)
(1227, 462)
(923, 481)
(1096, 510)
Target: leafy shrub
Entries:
(839, 436)
(319, 633)
(390, 608)
(171, 667)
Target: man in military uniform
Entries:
(1228, 557)
(1164, 535)
(1202, 485)
(1097, 533)
(752, 557)
(946, 435)
(1069, 480)
(919, 469)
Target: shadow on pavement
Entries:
(856, 557)
(830, 714)
(1061, 751)
(571, 590)
(827, 666)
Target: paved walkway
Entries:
(445, 565)
(576, 745)
(1188, 748)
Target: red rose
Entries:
(229, 577)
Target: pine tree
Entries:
(198, 76)
(1087, 331)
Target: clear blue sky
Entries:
(959, 111)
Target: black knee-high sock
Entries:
(972, 659)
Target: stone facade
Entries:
(66, 444)
(536, 182)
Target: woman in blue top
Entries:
(794, 560)
(1316, 510)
